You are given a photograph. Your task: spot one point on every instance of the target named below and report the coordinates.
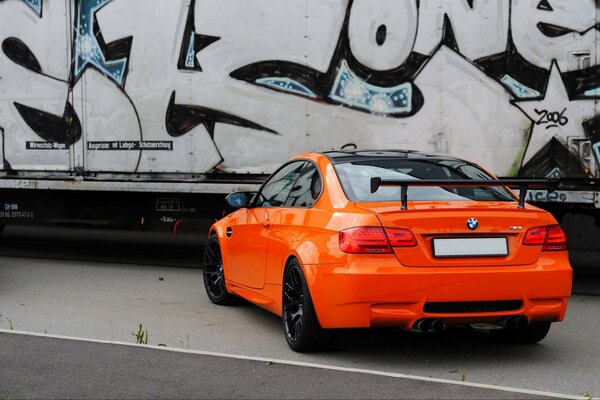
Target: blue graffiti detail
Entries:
(555, 173)
(592, 92)
(35, 4)
(287, 85)
(350, 90)
(545, 196)
(519, 90)
(191, 52)
(86, 47)
(596, 148)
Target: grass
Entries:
(141, 337)
(10, 324)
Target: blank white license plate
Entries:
(470, 247)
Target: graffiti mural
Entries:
(200, 86)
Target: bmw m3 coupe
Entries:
(355, 239)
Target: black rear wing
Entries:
(522, 184)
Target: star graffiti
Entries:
(193, 43)
(555, 115)
(89, 48)
(36, 5)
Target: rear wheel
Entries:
(532, 333)
(214, 276)
(300, 324)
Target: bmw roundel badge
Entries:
(472, 223)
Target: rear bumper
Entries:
(376, 291)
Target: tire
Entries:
(301, 327)
(214, 276)
(532, 333)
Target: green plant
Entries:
(141, 337)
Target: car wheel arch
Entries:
(308, 272)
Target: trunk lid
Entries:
(432, 221)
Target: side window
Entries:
(278, 187)
(307, 188)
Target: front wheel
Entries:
(301, 327)
(214, 276)
(532, 333)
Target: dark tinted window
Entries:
(307, 188)
(356, 179)
(278, 187)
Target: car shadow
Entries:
(462, 348)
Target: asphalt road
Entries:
(105, 290)
(41, 367)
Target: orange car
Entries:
(354, 239)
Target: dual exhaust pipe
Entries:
(437, 325)
(518, 321)
(429, 325)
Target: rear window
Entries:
(356, 180)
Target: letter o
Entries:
(367, 17)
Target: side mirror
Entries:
(239, 199)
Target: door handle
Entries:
(266, 223)
(228, 231)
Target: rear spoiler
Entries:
(522, 184)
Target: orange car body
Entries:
(398, 288)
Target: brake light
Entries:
(551, 237)
(375, 239)
(556, 240)
(364, 239)
(400, 237)
(535, 236)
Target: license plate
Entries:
(470, 247)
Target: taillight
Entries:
(364, 239)
(535, 236)
(556, 240)
(551, 237)
(375, 239)
(400, 237)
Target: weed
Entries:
(10, 324)
(141, 337)
(588, 395)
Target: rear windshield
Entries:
(356, 180)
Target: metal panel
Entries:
(34, 71)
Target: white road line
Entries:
(310, 365)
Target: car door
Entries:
(296, 220)
(249, 236)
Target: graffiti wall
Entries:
(194, 86)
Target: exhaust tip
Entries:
(438, 325)
(423, 325)
(510, 322)
(522, 321)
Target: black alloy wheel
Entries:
(301, 327)
(293, 309)
(214, 277)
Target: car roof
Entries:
(343, 156)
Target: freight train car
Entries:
(146, 112)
